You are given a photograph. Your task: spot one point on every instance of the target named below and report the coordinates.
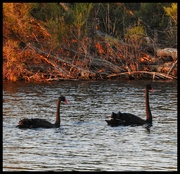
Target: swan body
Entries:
(35, 123)
(126, 119)
(38, 122)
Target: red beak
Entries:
(66, 101)
(152, 90)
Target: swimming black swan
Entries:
(126, 119)
(37, 122)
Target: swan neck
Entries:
(58, 120)
(148, 111)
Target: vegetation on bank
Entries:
(56, 41)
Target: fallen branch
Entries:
(110, 38)
(97, 62)
(174, 64)
(143, 72)
(59, 59)
(64, 5)
(55, 66)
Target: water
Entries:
(85, 142)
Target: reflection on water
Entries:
(84, 142)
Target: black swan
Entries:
(37, 122)
(125, 119)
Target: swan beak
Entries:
(66, 101)
(152, 90)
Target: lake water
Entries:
(85, 142)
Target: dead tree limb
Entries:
(59, 59)
(64, 5)
(108, 37)
(143, 72)
(97, 62)
(172, 67)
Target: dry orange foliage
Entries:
(99, 48)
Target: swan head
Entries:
(149, 88)
(62, 98)
(116, 116)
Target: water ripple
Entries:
(84, 142)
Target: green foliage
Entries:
(46, 11)
(111, 18)
(60, 23)
(171, 32)
(80, 13)
(152, 14)
(155, 21)
(52, 17)
(136, 32)
(172, 12)
(134, 37)
(76, 22)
